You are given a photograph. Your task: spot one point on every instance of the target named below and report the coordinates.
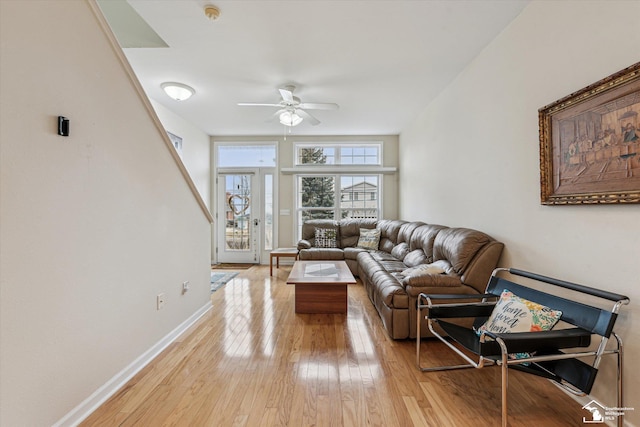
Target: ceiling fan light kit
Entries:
(292, 110)
(290, 118)
(177, 91)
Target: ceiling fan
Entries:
(291, 110)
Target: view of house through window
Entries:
(337, 195)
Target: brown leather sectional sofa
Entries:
(467, 257)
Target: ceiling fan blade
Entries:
(319, 106)
(307, 116)
(256, 104)
(286, 94)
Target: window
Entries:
(336, 196)
(343, 154)
(356, 205)
(253, 156)
(338, 180)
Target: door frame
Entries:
(258, 189)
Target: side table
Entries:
(281, 252)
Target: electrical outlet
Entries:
(160, 301)
(185, 287)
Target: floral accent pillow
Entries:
(326, 238)
(369, 238)
(514, 314)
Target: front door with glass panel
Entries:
(238, 219)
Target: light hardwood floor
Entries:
(251, 361)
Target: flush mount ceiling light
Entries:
(290, 118)
(212, 12)
(177, 91)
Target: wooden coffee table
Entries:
(321, 286)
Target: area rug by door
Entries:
(232, 266)
(218, 280)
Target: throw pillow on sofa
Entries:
(369, 238)
(437, 267)
(326, 238)
(423, 269)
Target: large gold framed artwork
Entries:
(590, 143)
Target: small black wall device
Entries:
(63, 126)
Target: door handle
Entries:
(256, 222)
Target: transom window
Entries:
(339, 154)
(236, 155)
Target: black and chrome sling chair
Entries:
(555, 354)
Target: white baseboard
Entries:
(91, 403)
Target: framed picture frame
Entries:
(590, 143)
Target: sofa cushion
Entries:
(440, 288)
(326, 238)
(458, 246)
(416, 282)
(389, 230)
(321, 254)
(369, 239)
(400, 251)
(393, 266)
(415, 258)
(387, 288)
(407, 229)
(367, 264)
(423, 238)
(352, 253)
(350, 230)
(383, 256)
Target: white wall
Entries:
(92, 226)
(195, 148)
(471, 158)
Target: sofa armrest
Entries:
(304, 244)
(431, 280)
